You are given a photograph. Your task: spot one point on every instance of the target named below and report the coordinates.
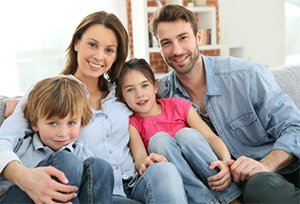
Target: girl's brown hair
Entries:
(57, 97)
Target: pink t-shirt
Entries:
(171, 120)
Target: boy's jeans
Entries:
(93, 177)
(192, 155)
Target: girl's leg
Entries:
(196, 191)
(97, 181)
(160, 183)
(199, 155)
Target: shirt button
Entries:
(110, 152)
(106, 117)
(107, 136)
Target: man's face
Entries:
(178, 45)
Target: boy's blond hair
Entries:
(56, 97)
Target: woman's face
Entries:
(96, 52)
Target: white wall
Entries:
(257, 24)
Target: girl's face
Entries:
(56, 133)
(96, 52)
(139, 93)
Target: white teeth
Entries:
(95, 65)
(141, 102)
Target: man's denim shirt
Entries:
(246, 106)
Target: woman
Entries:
(95, 56)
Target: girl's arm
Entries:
(217, 145)
(139, 153)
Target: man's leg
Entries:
(268, 187)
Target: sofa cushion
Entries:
(288, 77)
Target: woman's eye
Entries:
(110, 50)
(91, 44)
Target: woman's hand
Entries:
(39, 185)
(151, 159)
(221, 180)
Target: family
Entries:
(213, 130)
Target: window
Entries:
(292, 23)
(35, 34)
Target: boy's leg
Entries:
(15, 195)
(97, 181)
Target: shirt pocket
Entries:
(248, 130)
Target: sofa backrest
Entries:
(288, 78)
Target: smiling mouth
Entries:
(179, 59)
(95, 65)
(142, 102)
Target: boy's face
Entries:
(56, 133)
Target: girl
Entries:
(172, 127)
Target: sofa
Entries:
(287, 76)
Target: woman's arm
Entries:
(10, 106)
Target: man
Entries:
(241, 101)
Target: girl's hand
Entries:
(151, 159)
(221, 180)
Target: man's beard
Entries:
(180, 69)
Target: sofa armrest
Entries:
(288, 78)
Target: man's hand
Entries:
(244, 168)
(151, 159)
(10, 106)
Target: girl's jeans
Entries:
(93, 177)
(192, 155)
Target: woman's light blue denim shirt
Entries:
(246, 106)
(106, 135)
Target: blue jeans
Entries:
(93, 177)
(192, 155)
(161, 183)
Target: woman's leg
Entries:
(160, 183)
(196, 191)
(97, 181)
(199, 156)
(268, 187)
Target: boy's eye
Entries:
(52, 123)
(71, 123)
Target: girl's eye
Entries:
(129, 90)
(145, 85)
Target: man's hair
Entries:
(170, 13)
(56, 97)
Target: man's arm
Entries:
(277, 159)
